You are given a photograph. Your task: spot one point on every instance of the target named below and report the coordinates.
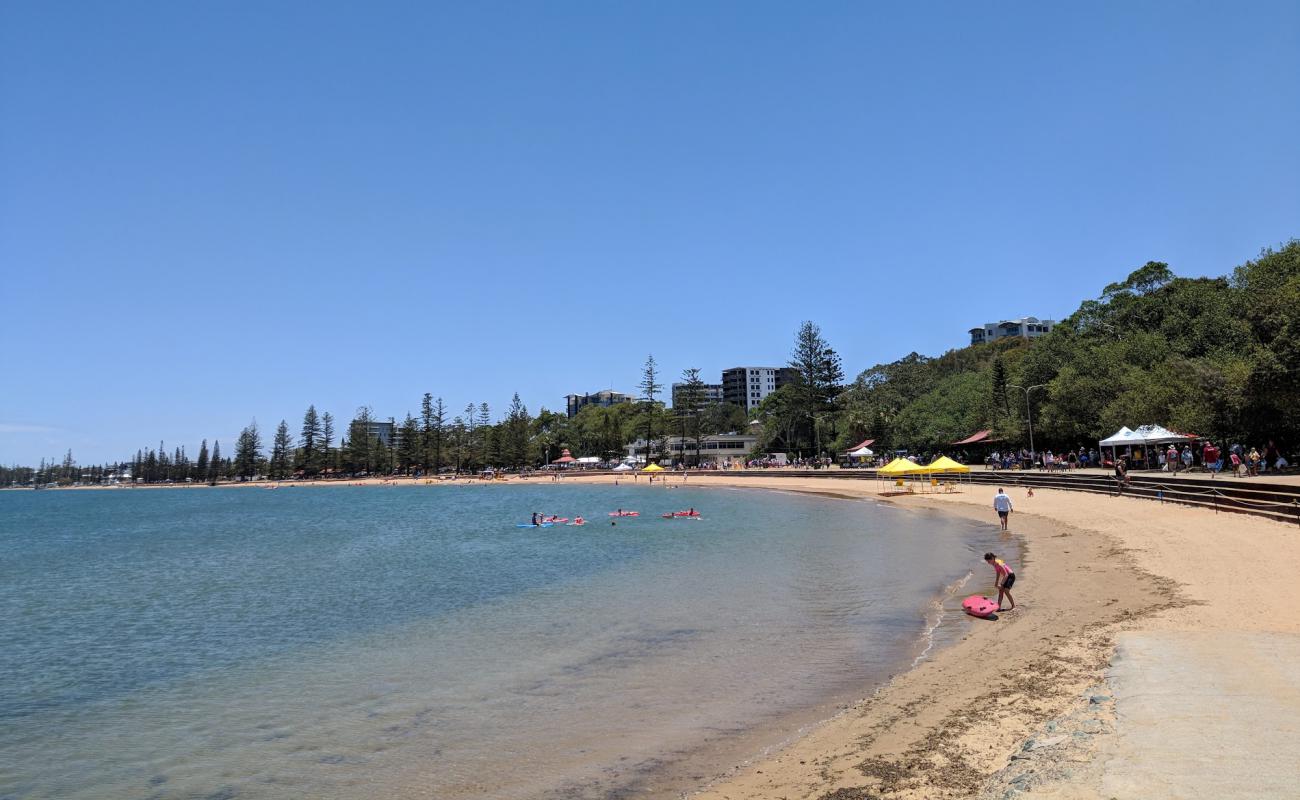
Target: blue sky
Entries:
(214, 212)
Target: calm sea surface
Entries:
(352, 642)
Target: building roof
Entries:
(981, 436)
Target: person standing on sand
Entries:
(1121, 475)
(1002, 505)
(1005, 579)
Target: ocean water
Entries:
(355, 642)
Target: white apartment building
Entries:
(1025, 328)
(747, 386)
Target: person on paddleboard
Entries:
(1005, 579)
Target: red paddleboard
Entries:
(978, 606)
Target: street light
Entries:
(1029, 414)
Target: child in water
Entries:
(1006, 578)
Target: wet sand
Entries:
(1095, 566)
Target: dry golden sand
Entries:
(1094, 565)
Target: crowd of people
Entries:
(1238, 459)
(1047, 459)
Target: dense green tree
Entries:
(689, 410)
(248, 452)
(650, 389)
(215, 468)
(281, 464)
(410, 446)
(515, 443)
(433, 424)
(359, 448)
(329, 457)
(309, 443)
(818, 375)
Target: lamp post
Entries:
(1029, 414)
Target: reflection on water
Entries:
(359, 642)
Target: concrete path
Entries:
(1205, 715)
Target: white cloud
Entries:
(14, 427)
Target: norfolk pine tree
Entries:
(650, 388)
(310, 442)
(281, 452)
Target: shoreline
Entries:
(968, 719)
(1099, 572)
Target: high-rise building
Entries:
(747, 386)
(712, 393)
(574, 403)
(1025, 328)
(385, 432)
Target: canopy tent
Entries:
(860, 445)
(1122, 436)
(652, 468)
(623, 468)
(588, 460)
(1158, 434)
(982, 437)
(862, 452)
(1144, 439)
(898, 469)
(945, 464)
(901, 466)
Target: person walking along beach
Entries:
(1006, 578)
(1002, 505)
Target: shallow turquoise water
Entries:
(358, 642)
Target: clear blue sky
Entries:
(211, 212)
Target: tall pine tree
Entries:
(214, 466)
(281, 452)
(248, 452)
(309, 443)
(328, 460)
(818, 375)
(650, 388)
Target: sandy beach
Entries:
(962, 724)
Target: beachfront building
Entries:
(747, 386)
(607, 397)
(1025, 328)
(720, 450)
(712, 393)
(385, 432)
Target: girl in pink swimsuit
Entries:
(1006, 578)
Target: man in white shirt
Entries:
(1002, 505)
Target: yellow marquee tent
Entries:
(945, 464)
(652, 468)
(901, 466)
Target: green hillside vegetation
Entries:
(1218, 357)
